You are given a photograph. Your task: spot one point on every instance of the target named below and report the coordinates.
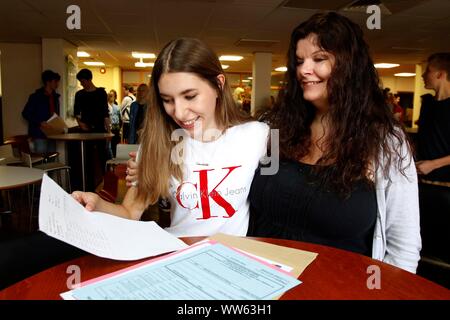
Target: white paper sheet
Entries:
(101, 234)
(211, 272)
(198, 245)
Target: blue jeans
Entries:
(42, 146)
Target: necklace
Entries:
(205, 153)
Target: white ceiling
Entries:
(111, 29)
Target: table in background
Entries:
(334, 274)
(17, 177)
(82, 137)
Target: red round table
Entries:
(334, 274)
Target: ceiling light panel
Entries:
(94, 63)
(143, 55)
(231, 58)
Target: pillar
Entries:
(262, 68)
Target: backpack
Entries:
(125, 112)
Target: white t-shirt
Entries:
(125, 107)
(213, 196)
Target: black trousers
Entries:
(435, 220)
(95, 161)
(25, 256)
(125, 132)
(115, 141)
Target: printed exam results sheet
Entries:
(104, 235)
(207, 271)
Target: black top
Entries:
(137, 114)
(140, 115)
(433, 139)
(292, 204)
(92, 106)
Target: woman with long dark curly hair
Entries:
(346, 176)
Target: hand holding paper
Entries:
(104, 235)
(54, 125)
(88, 199)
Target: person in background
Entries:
(434, 130)
(346, 177)
(40, 107)
(397, 110)
(386, 92)
(237, 96)
(115, 118)
(125, 111)
(91, 105)
(92, 114)
(433, 155)
(246, 102)
(138, 109)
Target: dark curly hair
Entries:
(361, 124)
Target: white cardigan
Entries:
(397, 238)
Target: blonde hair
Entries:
(155, 165)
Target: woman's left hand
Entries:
(132, 168)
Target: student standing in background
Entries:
(41, 105)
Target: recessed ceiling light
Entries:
(94, 63)
(405, 74)
(83, 54)
(281, 69)
(225, 66)
(141, 64)
(143, 55)
(231, 58)
(385, 65)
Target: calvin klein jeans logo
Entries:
(177, 153)
(205, 194)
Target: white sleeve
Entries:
(125, 102)
(403, 241)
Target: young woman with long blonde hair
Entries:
(197, 148)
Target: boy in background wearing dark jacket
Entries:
(40, 107)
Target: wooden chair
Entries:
(21, 143)
(110, 184)
(48, 168)
(7, 155)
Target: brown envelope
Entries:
(297, 259)
(58, 126)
